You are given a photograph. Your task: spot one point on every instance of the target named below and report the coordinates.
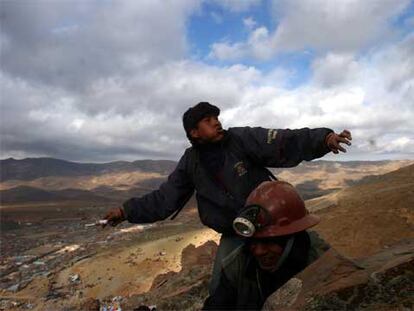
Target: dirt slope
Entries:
(365, 218)
(357, 221)
(384, 281)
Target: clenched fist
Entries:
(333, 141)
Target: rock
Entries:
(6, 304)
(183, 290)
(379, 282)
(91, 304)
(14, 288)
(286, 297)
(52, 294)
(117, 299)
(146, 308)
(74, 278)
(162, 279)
(202, 255)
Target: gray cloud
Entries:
(148, 122)
(103, 81)
(80, 79)
(334, 69)
(70, 44)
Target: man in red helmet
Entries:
(273, 223)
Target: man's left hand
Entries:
(333, 141)
(114, 216)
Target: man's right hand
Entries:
(115, 216)
(333, 141)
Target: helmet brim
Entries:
(296, 226)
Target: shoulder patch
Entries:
(271, 136)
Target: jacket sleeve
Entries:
(282, 147)
(171, 195)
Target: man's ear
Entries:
(194, 133)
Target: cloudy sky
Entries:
(109, 80)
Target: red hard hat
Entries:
(286, 210)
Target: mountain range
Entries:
(32, 168)
(52, 180)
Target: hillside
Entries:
(56, 262)
(383, 281)
(22, 194)
(367, 217)
(325, 175)
(26, 179)
(33, 168)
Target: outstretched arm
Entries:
(283, 147)
(159, 204)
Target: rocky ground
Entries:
(57, 266)
(384, 281)
(51, 261)
(362, 219)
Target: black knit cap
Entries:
(194, 114)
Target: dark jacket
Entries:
(247, 153)
(244, 286)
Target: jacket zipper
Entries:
(258, 285)
(226, 192)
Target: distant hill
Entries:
(48, 179)
(364, 218)
(318, 178)
(24, 194)
(32, 168)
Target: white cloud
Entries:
(249, 22)
(77, 124)
(338, 26)
(137, 87)
(225, 51)
(400, 144)
(139, 115)
(218, 19)
(372, 95)
(256, 46)
(237, 5)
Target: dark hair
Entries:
(194, 114)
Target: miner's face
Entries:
(267, 253)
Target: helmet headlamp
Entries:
(247, 223)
